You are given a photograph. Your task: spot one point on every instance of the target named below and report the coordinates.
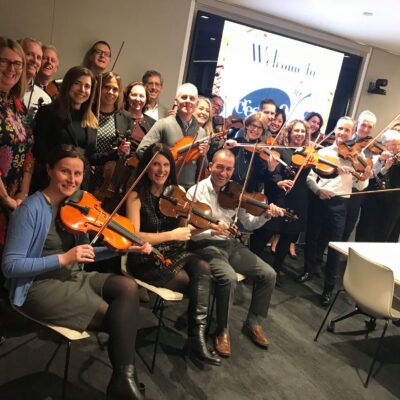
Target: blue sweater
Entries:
(22, 257)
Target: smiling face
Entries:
(314, 124)
(49, 64)
(276, 123)
(153, 87)
(100, 57)
(364, 128)
(109, 93)
(221, 168)
(269, 110)
(79, 92)
(187, 101)
(137, 98)
(159, 170)
(66, 176)
(254, 130)
(9, 73)
(202, 112)
(33, 54)
(343, 130)
(297, 135)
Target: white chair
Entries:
(67, 334)
(162, 295)
(371, 285)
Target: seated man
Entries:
(226, 255)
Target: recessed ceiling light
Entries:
(212, 38)
(205, 17)
(367, 14)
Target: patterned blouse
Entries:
(16, 141)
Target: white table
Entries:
(387, 254)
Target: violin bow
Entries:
(119, 205)
(245, 183)
(382, 131)
(369, 192)
(100, 82)
(326, 137)
(116, 58)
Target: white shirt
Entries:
(35, 97)
(207, 194)
(341, 184)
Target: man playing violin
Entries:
(327, 217)
(171, 129)
(226, 255)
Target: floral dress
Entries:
(16, 141)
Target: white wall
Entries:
(156, 36)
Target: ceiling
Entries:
(343, 18)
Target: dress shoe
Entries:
(307, 276)
(223, 344)
(256, 334)
(326, 298)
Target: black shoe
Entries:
(279, 281)
(307, 276)
(123, 384)
(326, 298)
(198, 346)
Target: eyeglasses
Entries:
(6, 63)
(102, 53)
(255, 127)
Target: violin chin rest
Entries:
(76, 197)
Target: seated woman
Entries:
(41, 262)
(188, 273)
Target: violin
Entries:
(187, 148)
(350, 151)
(83, 213)
(374, 147)
(254, 203)
(52, 89)
(174, 203)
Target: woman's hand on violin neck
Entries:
(82, 253)
(181, 234)
(274, 211)
(285, 185)
(143, 249)
(230, 144)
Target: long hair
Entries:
(106, 77)
(288, 129)
(128, 91)
(63, 101)
(19, 89)
(145, 183)
(208, 127)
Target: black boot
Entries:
(197, 315)
(123, 384)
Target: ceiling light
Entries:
(212, 38)
(205, 17)
(367, 14)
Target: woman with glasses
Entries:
(98, 57)
(16, 139)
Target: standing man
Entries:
(48, 70)
(227, 255)
(34, 97)
(365, 124)
(327, 216)
(98, 57)
(153, 82)
(170, 129)
(268, 107)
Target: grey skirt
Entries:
(66, 297)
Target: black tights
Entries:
(118, 316)
(193, 269)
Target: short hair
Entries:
(128, 90)
(391, 135)
(367, 115)
(18, 90)
(65, 151)
(27, 40)
(63, 100)
(346, 118)
(50, 47)
(86, 59)
(226, 152)
(184, 86)
(268, 101)
(257, 116)
(150, 73)
(216, 96)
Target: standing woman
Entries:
(203, 114)
(277, 122)
(16, 139)
(135, 102)
(188, 273)
(315, 122)
(284, 192)
(68, 120)
(114, 127)
(41, 261)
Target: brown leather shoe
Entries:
(222, 344)
(256, 334)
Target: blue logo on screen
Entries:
(250, 103)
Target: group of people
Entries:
(90, 133)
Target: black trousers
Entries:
(326, 223)
(353, 205)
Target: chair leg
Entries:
(376, 353)
(67, 356)
(160, 317)
(327, 314)
(356, 311)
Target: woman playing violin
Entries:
(41, 263)
(283, 191)
(188, 273)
